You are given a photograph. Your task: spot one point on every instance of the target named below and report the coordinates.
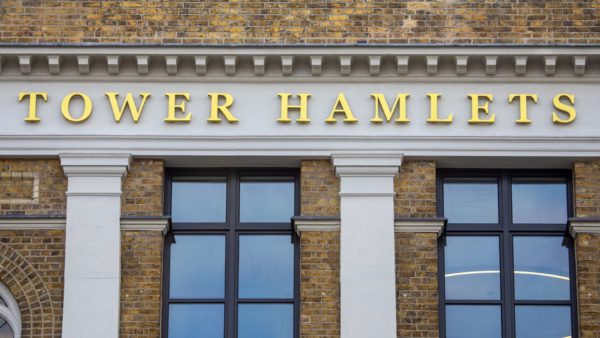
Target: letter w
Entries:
(129, 103)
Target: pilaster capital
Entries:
(92, 164)
(367, 164)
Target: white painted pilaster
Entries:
(367, 264)
(93, 244)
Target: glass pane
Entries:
(266, 267)
(265, 321)
(196, 320)
(473, 321)
(472, 267)
(5, 329)
(266, 201)
(539, 202)
(543, 321)
(198, 267)
(199, 201)
(541, 268)
(471, 202)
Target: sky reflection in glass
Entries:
(266, 266)
(537, 321)
(541, 268)
(539, 203)
(473, 321)
(472, 267)
(196, 320)
(266, 202)
(198, 266)
(198, 201)
(471, 202)
(265, 321)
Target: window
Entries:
(231, 260)
(10, 316)
(506, 259)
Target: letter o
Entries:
(87, 107)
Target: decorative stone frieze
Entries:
(358, 62)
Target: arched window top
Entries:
(10, 316)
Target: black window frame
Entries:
(232, 228)
(505, 230)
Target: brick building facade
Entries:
(124, 180)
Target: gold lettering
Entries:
(174, 108)
(128, 103)
(302, 107)
(341, 107)
(433, 110)
(87, 107)
(215, 108)
(523, 118)
(477, 108)
(387, 112)
(32, 115)
(569, 110)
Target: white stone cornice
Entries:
(303, 224)
(416, 225)
(51, 223)
(435, 225)
(380, 61)
(584, 225)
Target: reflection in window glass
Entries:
(266, 201)
(196, 320)
(539, 203)
(265, 321)
(472, 267)
(543, 321)
(266, 266)
(198, 267)
(471, 202)
(198, 201)
(541, 268)
(5, 329)
(473, 321)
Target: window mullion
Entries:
(230, 318)
(507, 274)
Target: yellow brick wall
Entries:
(143, 189)
(51, 188)
(415, 190)
(299, 21)
(587, 248)
(32, 262)
(141, 271)
(319, 253)
(319, 189)
(32, 267)
(416, 253)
